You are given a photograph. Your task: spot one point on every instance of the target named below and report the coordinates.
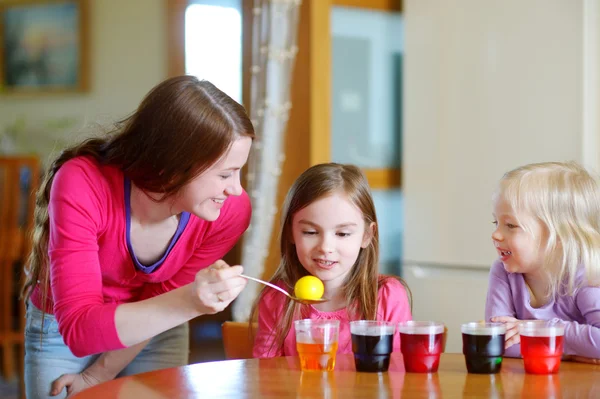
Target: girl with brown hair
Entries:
(329, 230)
(129, 232)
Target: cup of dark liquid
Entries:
(372, 344)
(541, 346)
(421, 343)
(483, 346)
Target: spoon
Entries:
(293, 298)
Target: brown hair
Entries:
(181, 128)
(362, 284)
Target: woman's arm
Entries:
(212, 291)
(181, 306)
(145, 319)
(105, 368)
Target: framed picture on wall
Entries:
(43, 46)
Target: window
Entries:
(213, 44)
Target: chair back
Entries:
(19, 181)
(237, 339)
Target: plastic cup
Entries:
(541, 346)
(483, 346)
(372, 344)
(317, 343)
(421, 343)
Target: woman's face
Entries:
(205, 194)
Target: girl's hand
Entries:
(512, 336)
(76, 383)
(581, 359)
(216, 286)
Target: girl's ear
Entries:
(369, 233)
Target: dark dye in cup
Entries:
(483, 347)
(372, 344)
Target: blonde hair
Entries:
(362, 284)
(565, 199)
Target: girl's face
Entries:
(520, 251)
(204, 195)
(328, 235)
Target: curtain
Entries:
(274, 31)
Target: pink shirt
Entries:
(393, 305)
(91, 269)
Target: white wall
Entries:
(128, 57)
(488, 86)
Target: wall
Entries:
(488, 86)
(128, 57)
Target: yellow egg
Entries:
(309, 287)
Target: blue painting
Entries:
(42, 45)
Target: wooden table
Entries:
(282, 378)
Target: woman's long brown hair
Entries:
(362, 285)
(181, 128)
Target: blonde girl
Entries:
(547, 236)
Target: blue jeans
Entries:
(47, 357)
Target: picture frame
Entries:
(44, 46)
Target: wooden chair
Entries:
(19, 180)
(237, 339)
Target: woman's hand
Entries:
(216, 286)
(76, 383)
(512, 336)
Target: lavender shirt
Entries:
(508, 296)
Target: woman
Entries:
(129, 232)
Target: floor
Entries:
(206, 345)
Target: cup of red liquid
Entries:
(483, 346)
(541, 346)
(372, 344)
(421, 343)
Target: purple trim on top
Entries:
(183, 221)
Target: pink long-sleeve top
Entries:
(92, 270)
(393, 305)
(508, 295)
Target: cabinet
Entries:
(450, 294)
